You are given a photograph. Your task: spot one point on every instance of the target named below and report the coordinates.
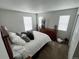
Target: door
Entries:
(74, 41)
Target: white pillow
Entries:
(16, 39)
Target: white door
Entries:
(74, 41)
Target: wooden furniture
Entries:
(7, 42)
(52, 33)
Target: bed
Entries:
(29, 49)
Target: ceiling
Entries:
(38, 6)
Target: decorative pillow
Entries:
(29, 34)
(16, 39)
(25, 37)
(18, 34)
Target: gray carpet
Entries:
(53, 50)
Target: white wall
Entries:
(3, 52)
(14, 20)
(52, 18)
(74, 41)
(78, 11)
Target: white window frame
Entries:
(63, 22)
(27, 23)
(40, 21)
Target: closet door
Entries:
(74, 41)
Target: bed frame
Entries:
(6, 41)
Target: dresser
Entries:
(52, 33)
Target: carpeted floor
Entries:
(53, 50)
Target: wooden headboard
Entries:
(7, 41)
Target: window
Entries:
(63, 22)
(27, 23)
(40, 21)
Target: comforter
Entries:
(32, 47)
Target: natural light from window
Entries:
(27, 23)
(40, 21)
(63, 22)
